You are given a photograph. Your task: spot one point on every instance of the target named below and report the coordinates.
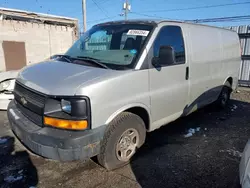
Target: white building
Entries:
(29, 37)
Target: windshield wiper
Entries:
(93, 60)
(65, 57)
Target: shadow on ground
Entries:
(16, 168)
(210, 158)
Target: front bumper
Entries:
(5, 100)
(63, 145)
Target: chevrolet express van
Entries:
(118, 81)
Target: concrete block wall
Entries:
(41, 40)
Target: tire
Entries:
(224, 96)
(121, 127)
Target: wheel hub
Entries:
(127, 145)
(125, 142)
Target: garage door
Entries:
(14, 55)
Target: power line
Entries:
(198, 7)
(104, 1)
(221, 19)
(153, 16)
(101, 9)
(206, 20)
(101, 3)
(115, 16)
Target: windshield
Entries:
(116, 46)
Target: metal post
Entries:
(84, 15)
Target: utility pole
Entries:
(126, 8)
(84, 15)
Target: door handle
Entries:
(187, 73)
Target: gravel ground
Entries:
(209, 158)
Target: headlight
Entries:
(7, 85)
(66, 106)
(68, 113)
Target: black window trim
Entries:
(175, 64)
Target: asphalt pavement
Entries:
(208, 156)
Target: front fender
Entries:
(126, 107)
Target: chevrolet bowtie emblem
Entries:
(23, 101)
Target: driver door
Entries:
(169, 83)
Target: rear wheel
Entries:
(125, 134)
(224, 96)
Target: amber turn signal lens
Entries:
(66, 124)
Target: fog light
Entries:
(66, 124)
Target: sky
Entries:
(111, 9)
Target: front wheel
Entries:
(125, 134)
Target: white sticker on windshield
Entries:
(138, 32)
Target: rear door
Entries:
(169, 84)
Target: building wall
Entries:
(41, 40)
(244, 35)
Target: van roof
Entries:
(157, 21)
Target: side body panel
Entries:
(214, 58)
(205, 63)
(231, 56)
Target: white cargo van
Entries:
(119, 80)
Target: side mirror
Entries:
(156, 61)
(166, 56)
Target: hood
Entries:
(59, 78)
